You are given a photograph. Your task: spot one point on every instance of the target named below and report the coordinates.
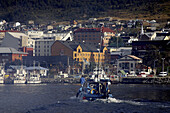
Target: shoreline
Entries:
(124, 80)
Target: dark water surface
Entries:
(54, 98)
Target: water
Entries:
(54, 98)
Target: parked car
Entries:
(162, 74)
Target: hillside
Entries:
(65, 10)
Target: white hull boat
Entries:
(2, 78)
(34, 79)
(1, 81)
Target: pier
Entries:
(145, 80)
(123, 80)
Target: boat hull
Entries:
(19, 81)
(34, 82)
(1, 81)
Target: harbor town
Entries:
(123, 51)
(84, 56)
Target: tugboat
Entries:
(94, 90)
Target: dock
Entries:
(145, 80)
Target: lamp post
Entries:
(154, 67)
(46, 64)
(163, 64)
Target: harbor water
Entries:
(57, 98)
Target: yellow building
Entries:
(90, 56)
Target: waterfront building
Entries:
(128, 63)
(8, 54)
(80, 51)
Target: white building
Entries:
(128, 63)
(34, 34)
(122, 51)
(60, 36)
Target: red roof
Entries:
(8, 31)
(104, 29)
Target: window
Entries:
(131, 64)
(4, 54)
(120, 65)
(78, 50)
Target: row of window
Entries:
(126, 65)
(42, 55)
(87, 39)
(44, 50)
(5, 60)
(88, 55)
(38, 42)
(44, 46)
(5, 55)
(96, 60)
(87, 35)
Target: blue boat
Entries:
(94, 90)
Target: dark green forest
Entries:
(64, 10)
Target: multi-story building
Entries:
(93, 35)
(80, 51)
(141, 48)
(43, 46)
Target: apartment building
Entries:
(93, 35)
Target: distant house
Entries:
(91, 20)
(116, 53)
(8, 54)
(162, 36)
(128, 63)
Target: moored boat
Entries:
(34, 79)
(20, 77)
(2, 76)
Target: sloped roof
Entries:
(17, 34)
(10, 50)
(134, 57)
(104, 29)
(36, 68)
(85, 46)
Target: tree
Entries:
(116, 42)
